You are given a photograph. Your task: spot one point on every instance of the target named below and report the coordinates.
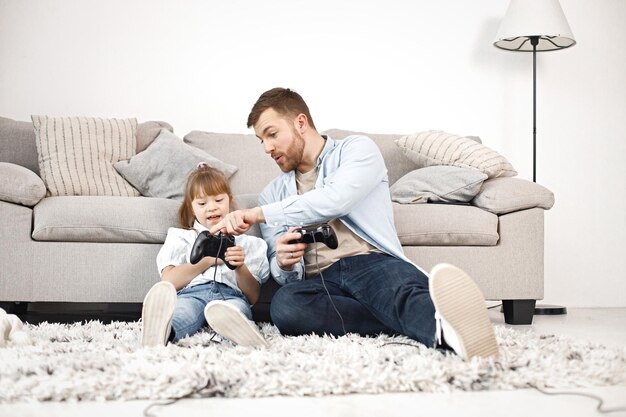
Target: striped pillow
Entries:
(76, 154)
(435, 147)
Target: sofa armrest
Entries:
(20, 185)
(506, 194)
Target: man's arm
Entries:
(355, 170)
(239, 221)
(359, 167)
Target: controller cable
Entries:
(195, 391)
(219, 249)
(600, 400)
(319, 271)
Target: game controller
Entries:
(207, 244)
(322, 233)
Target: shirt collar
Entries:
(330, 144)
(198, 227)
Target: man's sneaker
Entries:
(156, 314)
(461, 313)
(226, 320)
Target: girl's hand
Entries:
(235, 256)
(209, 261)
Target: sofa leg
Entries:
(518, 311)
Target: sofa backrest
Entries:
(18, 144)
(244, 151)
(256, 169)
(397, 163)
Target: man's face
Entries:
(280, 139)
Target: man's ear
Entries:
(301, 122)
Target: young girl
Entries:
(208, 292)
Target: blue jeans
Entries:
(188, 316)
(374, 293)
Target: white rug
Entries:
(94, 361)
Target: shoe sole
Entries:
(460, 302)
(230, 323)
(157, 311)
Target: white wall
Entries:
(377, 66)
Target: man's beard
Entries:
(293, 155)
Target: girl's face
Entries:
(209, 210)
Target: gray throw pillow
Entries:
(505, 195)
(161, 170)
(20, 185)
(438, 184)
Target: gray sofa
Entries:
(82, 249)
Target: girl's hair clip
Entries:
(202, 165)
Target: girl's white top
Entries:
(177, 249)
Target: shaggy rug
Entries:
(93, 361)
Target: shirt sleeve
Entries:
(270, 232)
(174, 249)
(255, 257)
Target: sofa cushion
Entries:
(256, 169)
(104, 219)
(505, 195)
(76, 154)
(161, 170)
(445, 225)
(435, 147)
(437, 184)
(20, 185)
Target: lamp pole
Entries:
(534, 41)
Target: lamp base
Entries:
(549, 310)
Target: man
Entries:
(366, 285)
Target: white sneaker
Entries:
(461, 313)
(226, 320)
(156, 314)
(5, 328)
(17, 335)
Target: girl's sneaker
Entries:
(156, 314)
(461, 314)
(226, 320)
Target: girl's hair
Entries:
(203, 180)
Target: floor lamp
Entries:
(535, 26)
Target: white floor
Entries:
(606, 326)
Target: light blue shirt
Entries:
(352, 186)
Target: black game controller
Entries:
(322, 233)
(207, 244)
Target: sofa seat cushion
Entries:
(445, 225)
(104, 219)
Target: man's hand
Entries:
(289, 254)
(238, 221)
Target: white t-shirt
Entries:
(177, 249)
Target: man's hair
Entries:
(284, 101)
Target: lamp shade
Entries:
(543, 19)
